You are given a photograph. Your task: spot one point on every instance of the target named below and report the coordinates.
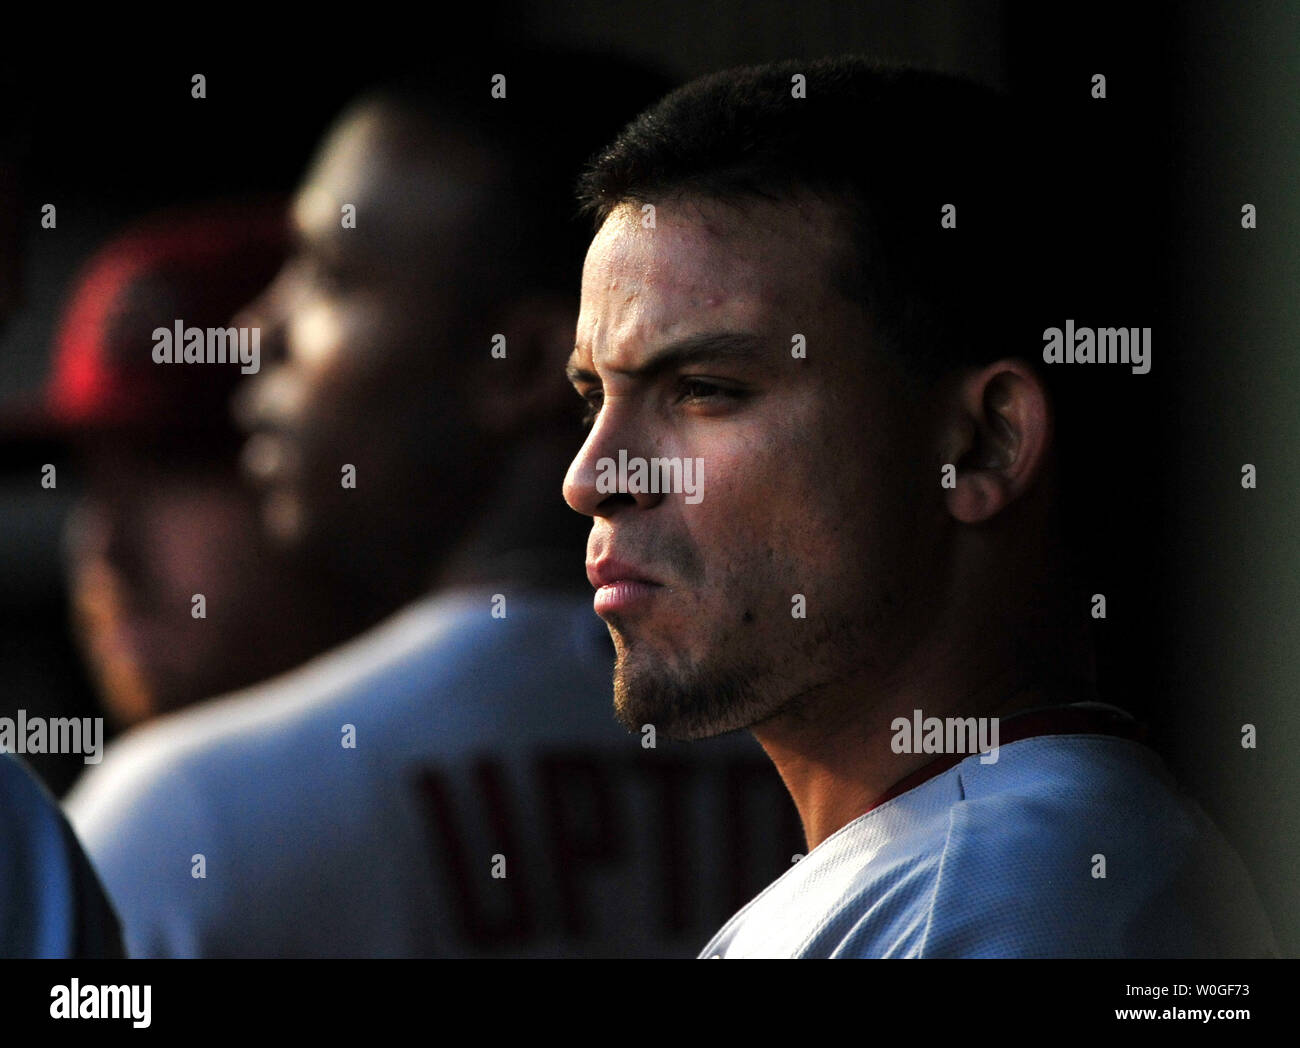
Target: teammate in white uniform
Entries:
(833, 316)
(475, 737)
(490, 805)
(51, 904)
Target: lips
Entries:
(607, 571)
(267, 456)
(620, 587)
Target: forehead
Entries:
(409, 183)
(705, 265)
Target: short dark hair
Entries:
(891, 146)
(560, 107)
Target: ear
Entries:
(997, 433)
(526, 387)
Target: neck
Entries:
(834, 748)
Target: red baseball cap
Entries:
(195, 266)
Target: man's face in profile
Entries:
(359, 340)
(817, 478)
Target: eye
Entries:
(593, 399)
(327, 275)
(697, 389)
(702, 391)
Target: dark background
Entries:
(1201, 117)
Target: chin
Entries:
(687, 705)
(125, 695)
(283, 518)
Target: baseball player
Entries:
(450, 782)
(176, 597)
(874, 581)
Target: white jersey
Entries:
(448, 784)
(51, 906)
(1067, 846)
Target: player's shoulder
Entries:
(30, 815)
(20, 791)
(172, 756)
(51, 904)
(1073, 782)
(34, 834)
(1064, 846)
(1050, 795)
(404, 681)
(1083, 845)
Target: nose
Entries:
(268, 314)
(269, 398)
(594, 485)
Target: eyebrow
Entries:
(694, 349)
